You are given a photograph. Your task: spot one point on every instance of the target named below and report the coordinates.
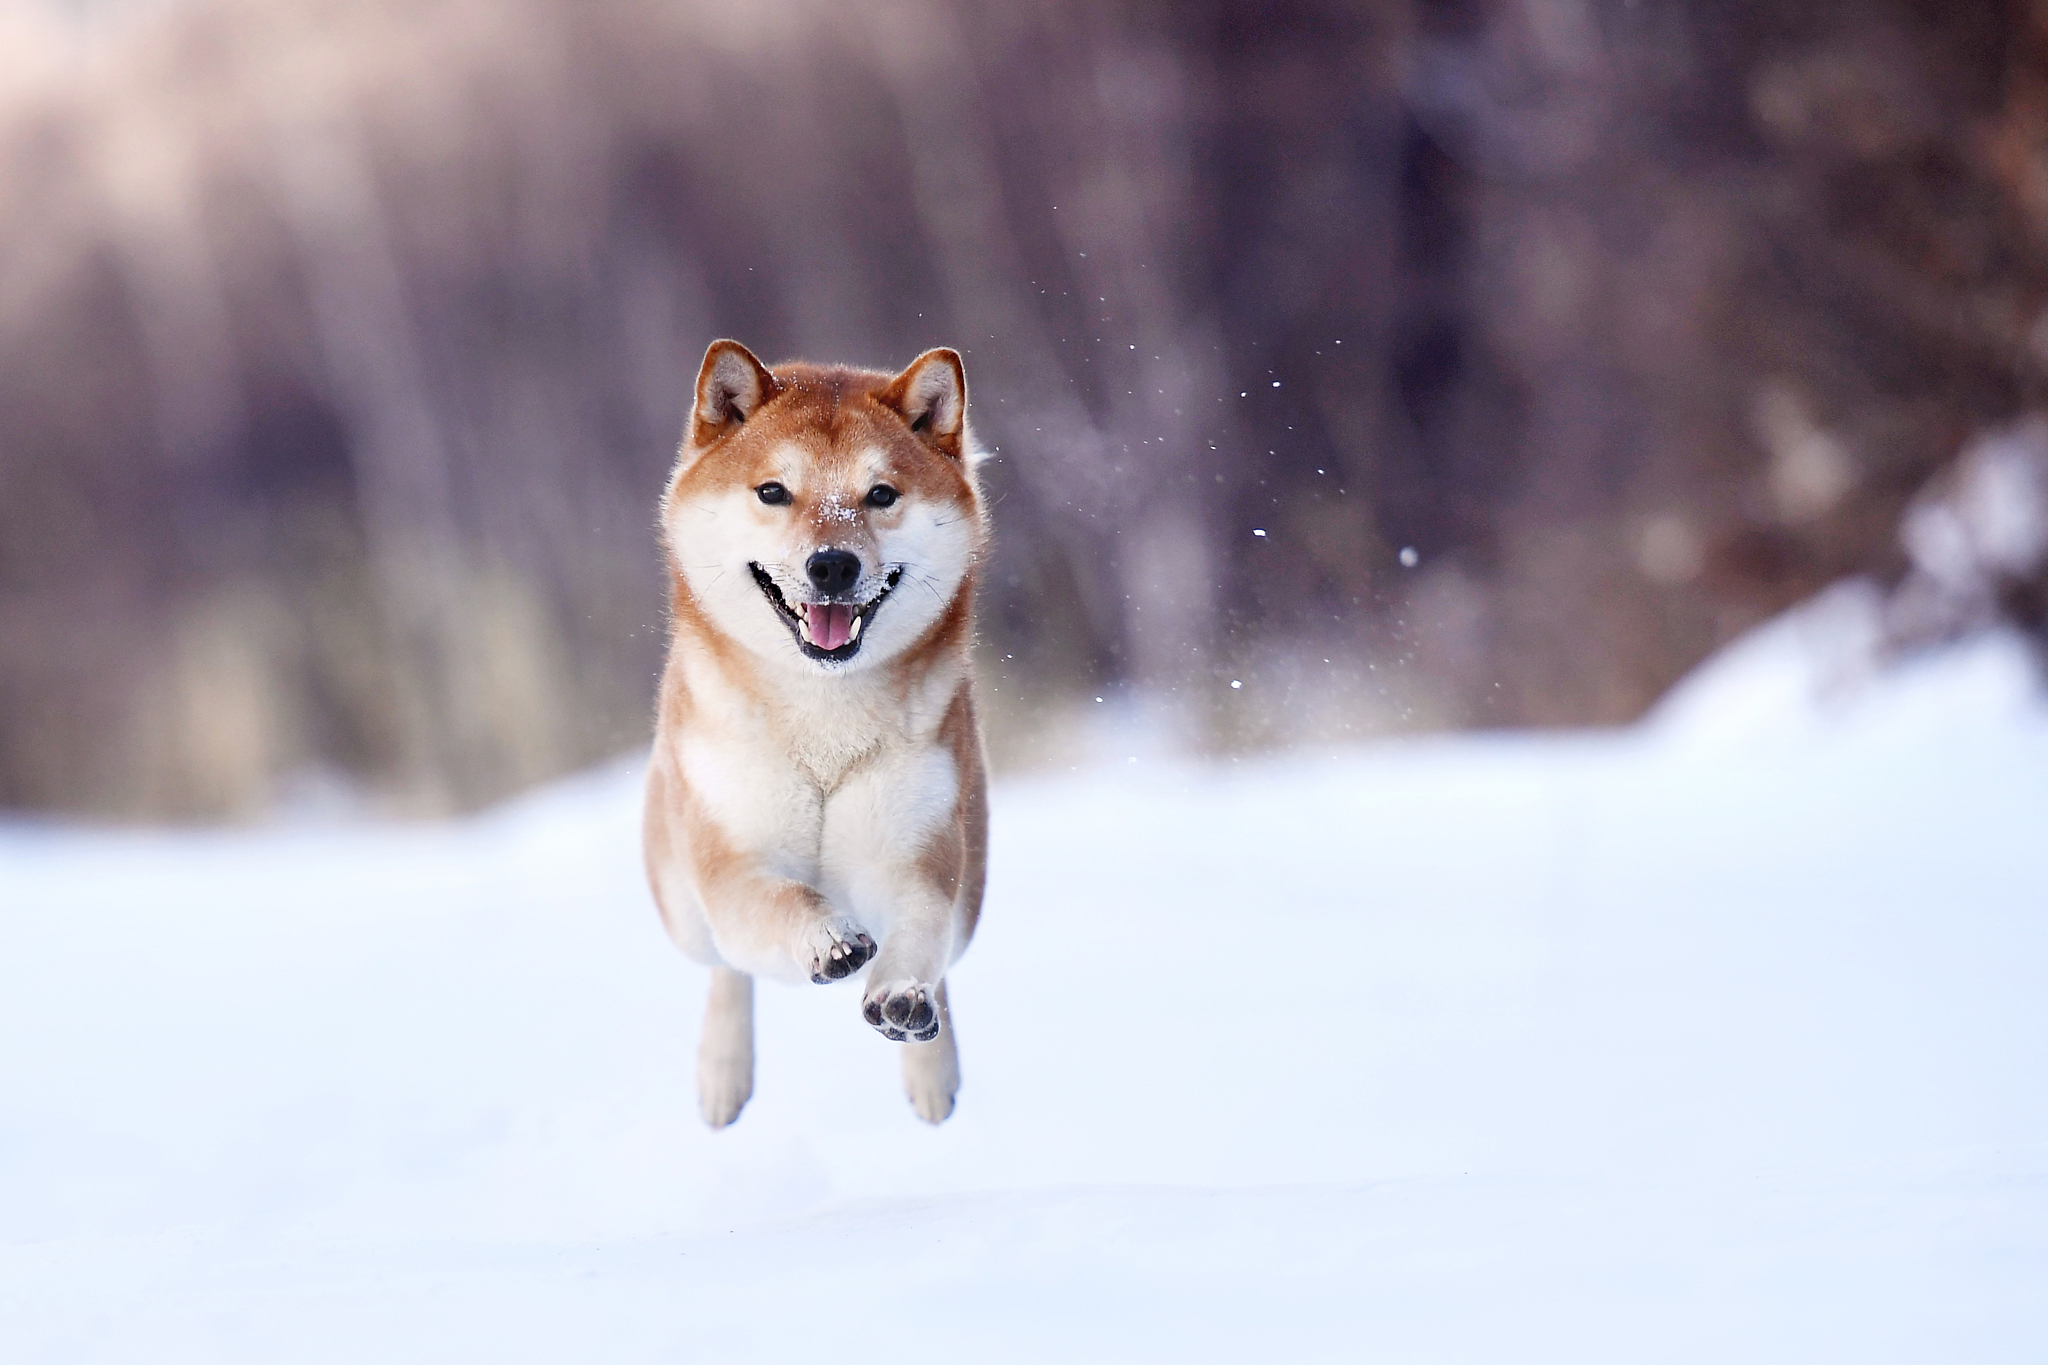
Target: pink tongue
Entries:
(830, 626)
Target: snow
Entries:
(1719, 1039)
(1827, 668)
(1989, 518)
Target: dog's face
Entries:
(824, 519)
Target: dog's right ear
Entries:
(730, 387)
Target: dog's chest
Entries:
(777, 773)
(825, 739)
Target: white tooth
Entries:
(854, 634)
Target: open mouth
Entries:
(827, 631)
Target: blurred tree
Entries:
(1506, 356)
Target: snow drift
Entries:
(1718, 1039)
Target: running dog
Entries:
(816, 802)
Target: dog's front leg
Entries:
(895, 837)
(921, 881)
(902, 998)
(761, 921)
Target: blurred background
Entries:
(1351, 368)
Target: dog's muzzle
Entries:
(829, 632)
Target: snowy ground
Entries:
(1721, 1040)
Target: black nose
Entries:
(833, 571)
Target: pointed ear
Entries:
(730, 387)
(932, 396)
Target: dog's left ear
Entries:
(932, 397)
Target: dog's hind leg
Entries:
(931, 1071)
(725, 1054)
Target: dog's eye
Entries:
(772, 493)
(881, 495)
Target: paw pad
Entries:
(903, 1011)
(842, 958)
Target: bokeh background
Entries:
(1413, 365)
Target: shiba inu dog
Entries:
(816, 801)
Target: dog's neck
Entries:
(827, 721)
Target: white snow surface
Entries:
(1722, 1039)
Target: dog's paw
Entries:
(903, 1010)
(834, 948)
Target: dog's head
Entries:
(826, 519)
